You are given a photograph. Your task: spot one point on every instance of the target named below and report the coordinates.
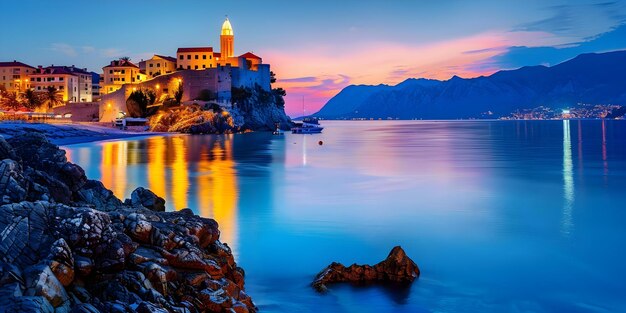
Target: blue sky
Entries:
(319, 47)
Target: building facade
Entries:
(74, 84)
(118, 73)
(159, 65)
(14, 76)
(195, 58)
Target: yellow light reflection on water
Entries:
(180, 174)
(217, 188)
(156, 165)
(113, 167)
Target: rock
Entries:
(40, 281)
(62, 262)
(397, 267)
(6, 151)
(147, 199)
(84, 308)
(67, 244)
(13, 186)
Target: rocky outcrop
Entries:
(68, 245)
(192, 119)
(397, 267)
(258, 110)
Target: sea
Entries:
(500, 216)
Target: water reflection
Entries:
(568, 181)
(188, 171)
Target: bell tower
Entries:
(227, 40)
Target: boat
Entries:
(309, 125)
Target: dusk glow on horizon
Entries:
(318, 48)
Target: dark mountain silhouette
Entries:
(588, 78)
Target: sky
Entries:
(316, 48)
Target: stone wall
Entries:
(81, 111)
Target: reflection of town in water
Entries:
(194, 172)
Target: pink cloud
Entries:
(312, 72)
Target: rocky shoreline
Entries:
(67, 244)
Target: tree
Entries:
(126, 59)
(31, 99)
(10, 100)
(52, 97)
(178, 94)
(138, 102)
(279, 95)
(239, 96)
(206, 95)
(272, 77)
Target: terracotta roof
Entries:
(195, 49)
(166, 57)
(250, 55)
(60, 70)
(14, 64)
(121, 63)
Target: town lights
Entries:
(158, 86)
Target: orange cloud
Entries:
(319, 72)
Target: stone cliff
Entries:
(67, 244)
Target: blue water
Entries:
(502, 216)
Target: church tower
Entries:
(227, 41)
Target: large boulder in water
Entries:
(397, 267)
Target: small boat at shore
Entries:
(309, 125)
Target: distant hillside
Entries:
(588, 78)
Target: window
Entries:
(111, 79)
(151, 64)
(123, 71)
(158, 64)
(123, 79)
(204, 56)
(182, 57)
(203, 66)
(196, 56)
(189, 57)
(196, 67)
(150, 74)
(110, 71)
(60, 79)
(210, 56)
(188, 67)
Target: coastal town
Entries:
(200, 75)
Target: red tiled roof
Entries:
(195, 49)
(250, 55)
(14, 64)
(172, 59)
(60, 70)
(121, 63)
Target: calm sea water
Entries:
(502, 216)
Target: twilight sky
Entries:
(318, 47)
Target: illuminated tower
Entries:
(227, 40)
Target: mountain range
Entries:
(595, 78)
